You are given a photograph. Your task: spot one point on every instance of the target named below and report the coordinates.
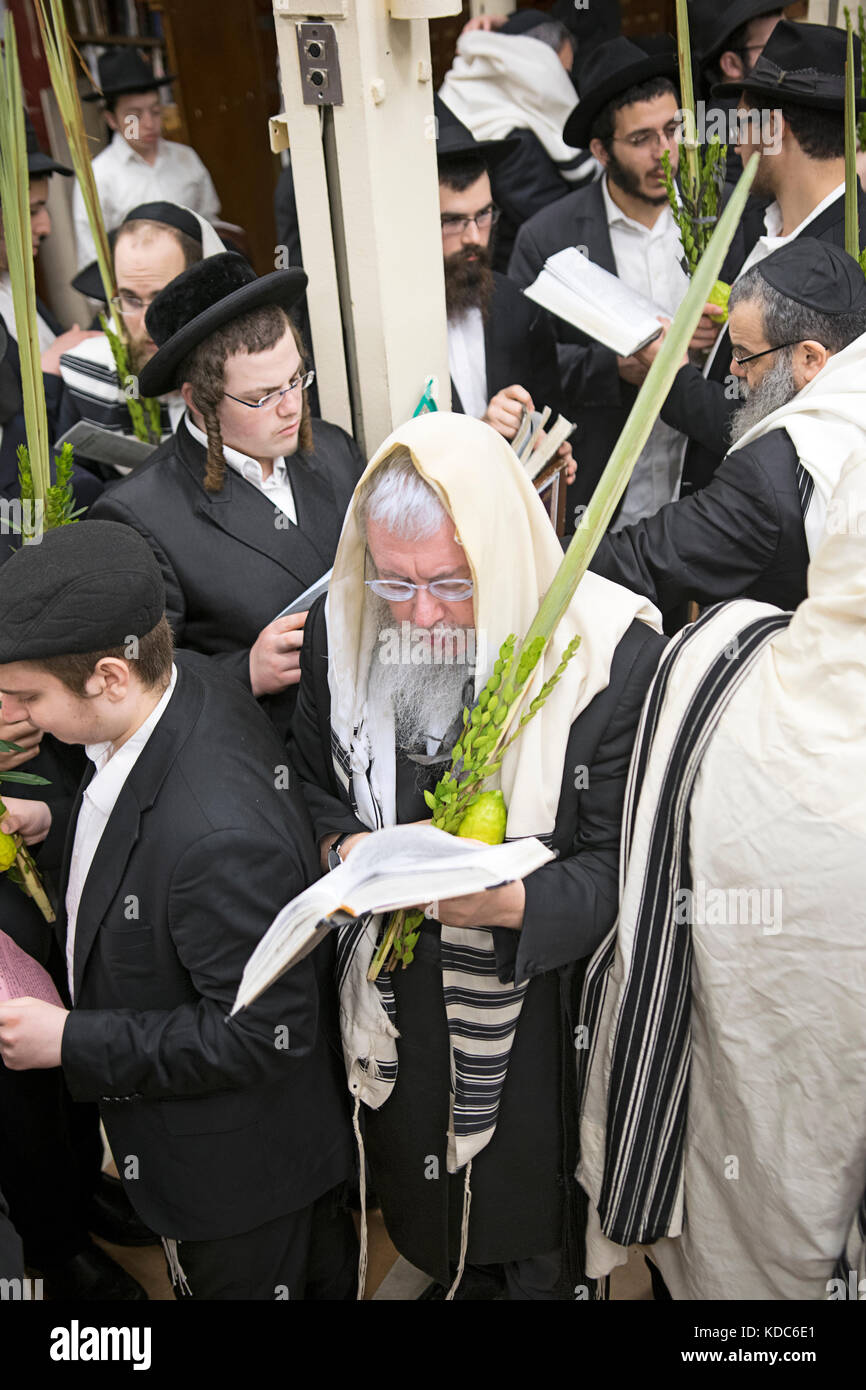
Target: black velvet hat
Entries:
(817, 274)
(40, 164)
(123, 71)
(712, 23)
(803, 63)
(89, 281)
(522, 20)
(207, 295)
(609, 71)
(454, 138)
(84, 587)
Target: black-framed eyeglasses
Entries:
(298, 383)
(753, 356)
(455, 225)
(402, 590)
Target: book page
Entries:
(584, 294)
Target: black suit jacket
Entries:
(741, 536)
(596, 395)
(230, 1128)
(231, 562)
(701, 407)
(519, 348)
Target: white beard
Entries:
(427, 696)
(774, 391)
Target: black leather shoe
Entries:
(112, 1217)
(90, 1275)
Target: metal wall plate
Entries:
(320, 65)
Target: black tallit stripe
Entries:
(805, 487)
(650, 1061)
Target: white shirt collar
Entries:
(113, 770)
(616, 216)
(773, 215)
(248, 468)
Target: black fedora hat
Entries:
(609, 71)
(40, 164)
(711, 24)
(89, 281)
(523, 20)
(207, 295)
(803, 63)
(122, 71)
(453, 138)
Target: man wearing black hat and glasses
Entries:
(794, 99)
(138, 166)
(797, 326)
(243, 505)
(501, 347)
(627, 116)
(232, 1135)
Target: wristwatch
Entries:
(334, 857)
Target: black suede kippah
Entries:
(83, 588)
(816, 274)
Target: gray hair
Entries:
(552, 33)
(398, 498)
(786, 321)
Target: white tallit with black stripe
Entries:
(513, 554)
(826, 421)
(723, 1117)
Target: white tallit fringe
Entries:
(464, 1233)
(362, 1183)
(175, 1271)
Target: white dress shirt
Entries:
(277, 488)
(467, 361)
(124, 179)
(649, 259)
(7, 309)
(98, 802)
(770, 242)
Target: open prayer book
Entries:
(403, 866)
(21, 976)
(538, 458)
(574, 288)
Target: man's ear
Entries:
(110, 676)
(596, 148)
(810, 358)
(111, 120)
(186, 392)
(731, 65)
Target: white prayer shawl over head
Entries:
(826, 421)
(769, 1202)
(503, 82)
(513, 554)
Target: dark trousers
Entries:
(50, 1160)
(308, 1254)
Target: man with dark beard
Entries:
(627, 116)
(796, 325)
(501, 348)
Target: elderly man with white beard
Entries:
(797, 321)
(464, 1060)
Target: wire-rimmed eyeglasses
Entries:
(455, 225)
(298, 383)
(402, 590)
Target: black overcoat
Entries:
(519, 348)
(232, 1122)
(741, 536)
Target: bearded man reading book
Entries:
(465, 1060)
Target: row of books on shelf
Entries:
(109, 19)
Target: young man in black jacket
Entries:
(231, 1134)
